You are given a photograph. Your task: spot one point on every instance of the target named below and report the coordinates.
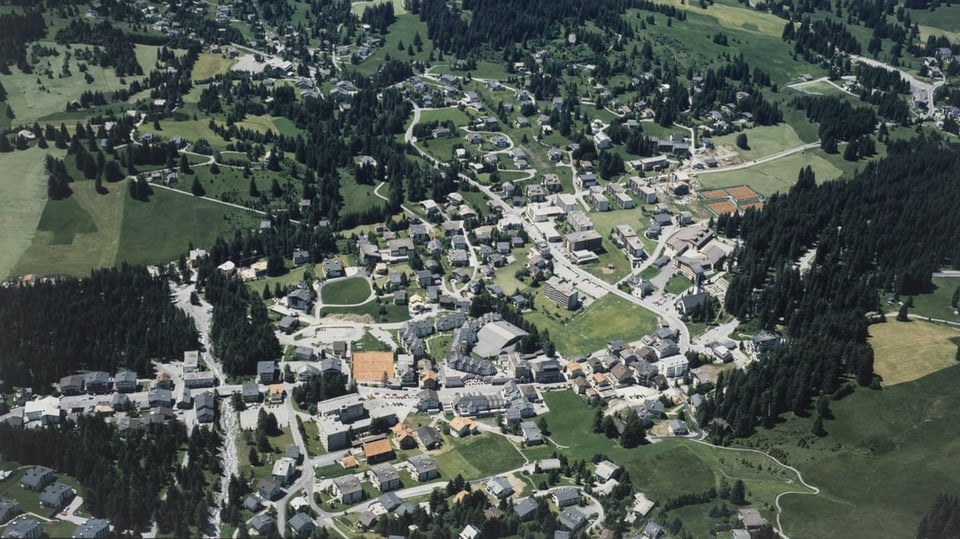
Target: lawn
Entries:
(610, 317)
(369, 343)
(260, 124)
(773, 176)
(907, 351)
(762, 140)
(209, 65)
(402, 31)
(819, 87)
(163, 228)
(478, 456)
(345, 291)
(937, 304)
(22, 199)
(887, 456)
(678, 284)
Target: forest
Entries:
(887, 229)
(132, 480)
(942, 521)
(119, 318)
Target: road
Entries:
(922, 91)
(761, 160)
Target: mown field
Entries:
(773, 176)
(586, 331)
(22, 199)
(345, 291)
(907, 351)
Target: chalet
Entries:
(96, 382)
(423, 467)
(429, 438)
(56, 495)
(384, 477)
(572, 519)
(266, 372)
(347, 489)
(205, 403)
(299, 299)
(499, 487)
(26, 527)
(36, 478)
(531, 433)
(288, 324)
(332, 268)
(72, 385)
(763, 342)
(8, 509)
(565, 496)
(605, 471)
(125, 382)
(250, 393)
(261, 524)
(688, 304)
(526, 509)
(302, 524)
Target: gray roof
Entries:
(301, 522)
(389, 501)
(22, 527)
(572, 519)
(524, 507)
(91, 528)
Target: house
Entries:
(424, 467)
(299, 299)
(763, 342)
(266, 372)
(526, 509)
(462, 426)
(565, 496)
(206, 407)
(250, 393)
(284, 469)
(96, 382)
(71, 385)
(94, 528)
(572, 519)
(36, 478)
(23, 527)
(269, 489)
(199, 379)
(347, 489)
(531, 433)
(653, 531)
(673, 366)
(499, 487)
(8, 509)
(606, 471)
(289, 324)
(469, 532)
(261, 524)
(751, 519)
(332, 268)
(384, 477)
(125, 382)
(302, 524)
(56, 495)
(429, 437)
(252, 503)
(377, 451)
(677, 427)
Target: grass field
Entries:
(209, 65)
(887, 456)
(478, 456)
(345, 291)
(937, 304)
(22, 199)
(402, 31)
(773, 176)
(670, 467)
(907, 351)
(819, 87)
(763, 140)
(89, 230)
(260, 124)
(608, 318)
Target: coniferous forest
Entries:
(119, 318)
(885, 230)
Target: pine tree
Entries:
(197, 188)
(738, 494)
(817, 428)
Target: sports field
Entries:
(345, 291)
(371, 367)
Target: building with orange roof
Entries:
(403, 436)
(378, 451)
(462, 426)
(428, 379)
(458, 497)
(348, 462)
(276, 393)
(600, 379)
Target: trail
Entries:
(815, 490)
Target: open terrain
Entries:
(907, 351)
(22, 199)
(586, 331)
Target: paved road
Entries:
(921, 90)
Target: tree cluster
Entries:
(241, 332)
(888, 228)
(120, 317)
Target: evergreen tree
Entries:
(197, 188)
(633, 432)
